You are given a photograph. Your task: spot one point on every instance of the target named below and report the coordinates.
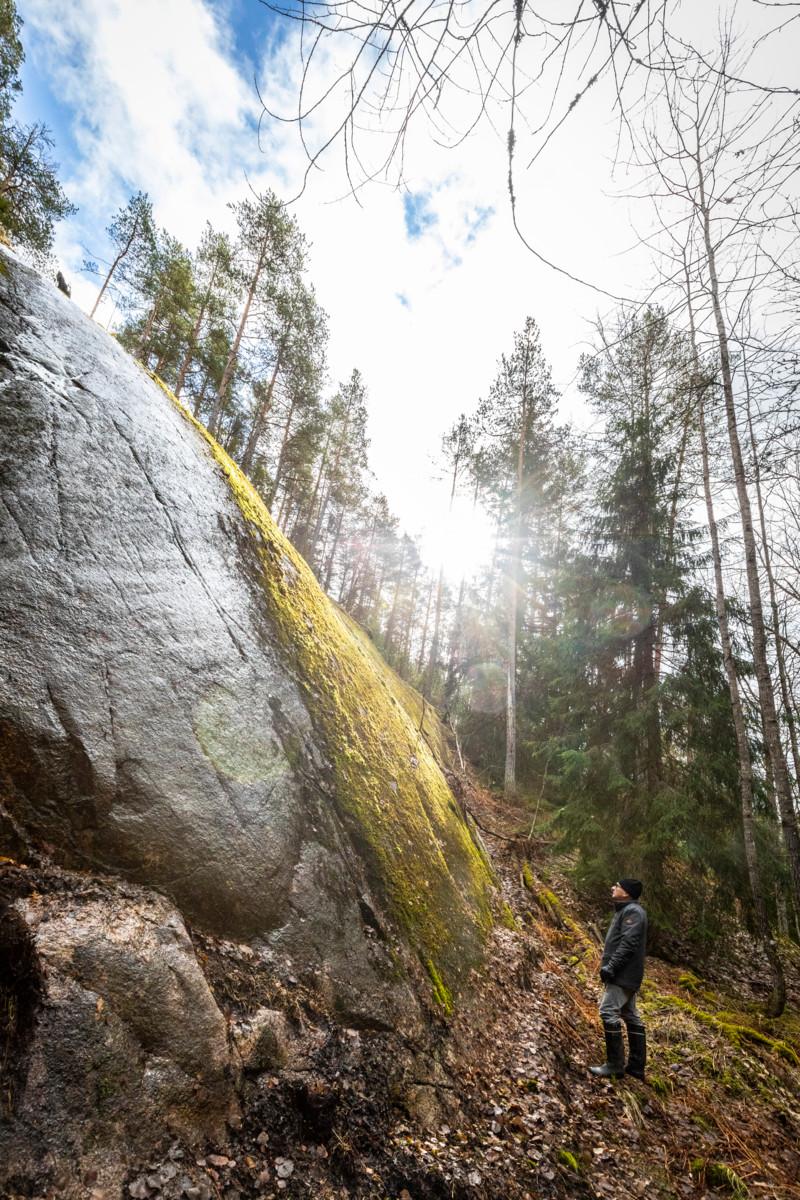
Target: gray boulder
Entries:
(181, 703)
(129, 1046)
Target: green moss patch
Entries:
(387, 785)
(552, 907)
(441, 993)
(717, 1175)
(568, 1159)
(736, 1033)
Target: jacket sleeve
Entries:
(633, 933)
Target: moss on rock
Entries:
(387, 785)
(551, 905)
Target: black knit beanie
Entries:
(632, 886)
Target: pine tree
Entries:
(516, 422)
(132, 234)
(31, 197)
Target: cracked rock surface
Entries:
(151, 727)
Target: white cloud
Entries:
(160, 103)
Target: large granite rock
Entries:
(180, 703)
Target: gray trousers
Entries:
(617, 1005)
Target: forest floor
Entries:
(508, 1110)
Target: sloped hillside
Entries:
(246, 937)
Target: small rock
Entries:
(283, 1167)
(474, 1179)
(219, 1160)
(198, 1191)
(139, 1189)
(262, 1138)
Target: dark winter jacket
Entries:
(626, 945)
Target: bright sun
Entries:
(462, 542)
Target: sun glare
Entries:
(461, 543)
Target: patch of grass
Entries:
(715, 1174)
(662, 1085)
(736, 1033)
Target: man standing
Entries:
(621, 971)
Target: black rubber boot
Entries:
(637, 1051)
(614, 1066)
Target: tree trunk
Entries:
(766, 555)
(195, 334)
(262, 412)
(421, 658)
(230, 365)
(148, 329)
(279, 467)
(455, 645)
(334, 547)
(433, 657)
(201, 395)
(673, 518)
(405, 641)
(392, 621)
(766, 697)
(777, 1000)
(122, 254)
(510, 774)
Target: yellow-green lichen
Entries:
(528, 880)
(507, 917)
(441, 993)
(387, 785)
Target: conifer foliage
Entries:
(31, 197)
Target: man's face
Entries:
(618, 893)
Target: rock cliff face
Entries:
(183, 709)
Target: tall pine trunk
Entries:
(233, 356)
(262, 411)
(791, 835)
(120, 257)
(195, 334)
(777, 999)
(766, 554)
